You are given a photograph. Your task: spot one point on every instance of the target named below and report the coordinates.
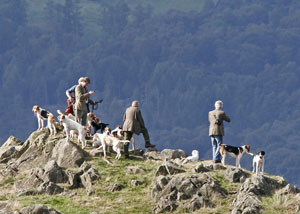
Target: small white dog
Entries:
(258, 162)
(107, 140)
(42, 115)
(69, 125)
(194, 157)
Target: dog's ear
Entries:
(262, 153)
(247, 148)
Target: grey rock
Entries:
(7, 153)
(288, 189)
(153, 155)
(54, 173)
(193, 192)
(169, 168)
(89, 178)
(49, 188)
(67, 154)
(248, 199)
(28, 186)
(115, 187)
(201, 168)
(74, 179)
(38, 209)
(135, 170)
(236, 175)
(173, 154)
(136, 182)
(12, 141)
(85, 166)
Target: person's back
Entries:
(216, 118)
(133, 120)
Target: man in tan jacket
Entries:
(82, 100)
(134, 124)
(216, 129)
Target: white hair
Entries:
(218, 104)
(135, 103)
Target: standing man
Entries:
(216, 129)
(134, 124)
(82, 100)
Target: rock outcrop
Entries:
(49, 165)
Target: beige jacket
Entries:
(133, 120)
(215, 129)
(81, 97)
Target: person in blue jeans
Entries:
(216, 129)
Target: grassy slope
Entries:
(133, 199)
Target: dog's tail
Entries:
(251, 154)
(60, 112)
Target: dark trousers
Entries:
(128, 136)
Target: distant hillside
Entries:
(177, 62)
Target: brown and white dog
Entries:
(119, 133)
(42, 115)
(69, 125)
(235, 152)
(106, 140)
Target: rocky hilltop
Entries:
(47, 175)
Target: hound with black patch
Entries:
(42, 115)
(235, 152)
(258, 162)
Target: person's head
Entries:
(218, 104)
(84, 81)
(135, 103)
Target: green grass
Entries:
(130, 199)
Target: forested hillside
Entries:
(176, 61)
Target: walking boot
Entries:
(149, 145)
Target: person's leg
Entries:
(145, 133)
(219, 140)
(214, 147)
(127, 136)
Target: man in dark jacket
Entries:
(216, 129)
(134, 124)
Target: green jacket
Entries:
(81, 97)
(133, 120)
(213, 116)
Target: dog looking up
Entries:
(42, 115)
(235, 152)
(194, 157)
(69, 125)
(258, 162)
